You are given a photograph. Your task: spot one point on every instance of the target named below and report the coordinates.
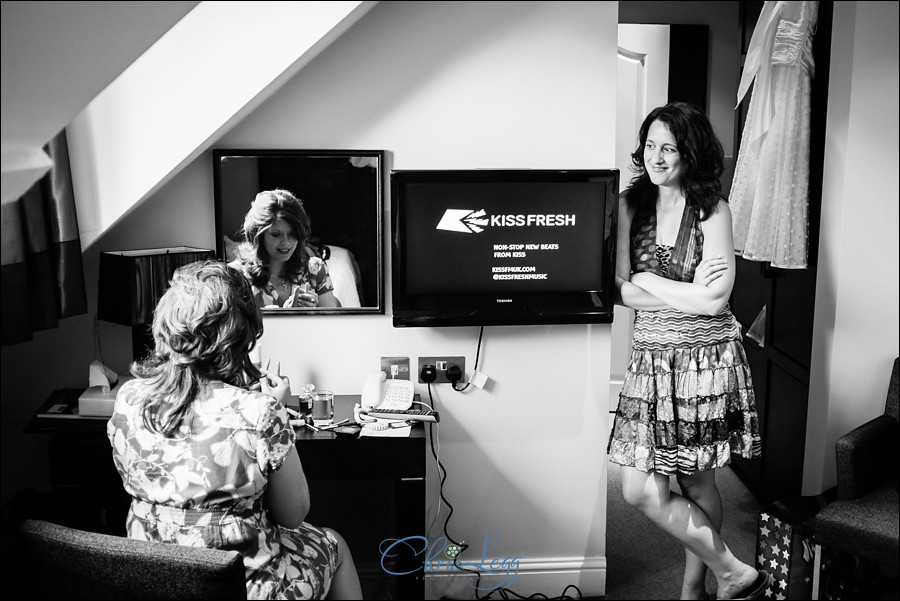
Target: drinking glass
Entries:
(322, 408)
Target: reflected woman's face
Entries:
(280, 240)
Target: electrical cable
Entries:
(506, 592)
(428, 375)
(442, 472)
(423, 404)
(475, 368)
(438, 466)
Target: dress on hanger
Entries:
(770, 191)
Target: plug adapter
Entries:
(454, 373)
(428, 373)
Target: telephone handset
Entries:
(378, 391)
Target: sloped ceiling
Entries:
(45, 48)
(176, 99)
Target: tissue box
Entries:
(94, 402)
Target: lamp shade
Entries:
(131, 282)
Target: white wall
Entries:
(457, 85)
(56, 57)
(856, 314)
(723, 20)
(217, 82)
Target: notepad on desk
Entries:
(386, 429)
(59, 407)
(63, 404)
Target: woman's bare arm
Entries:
(328, 299)
(711, 288)
(287, 495)
(627, 294)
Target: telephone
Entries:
(380, 392)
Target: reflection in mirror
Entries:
(340, 191)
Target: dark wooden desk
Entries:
(79, 448)
(327, 456)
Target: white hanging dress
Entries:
(770, 191)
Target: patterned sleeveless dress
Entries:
(687, 403)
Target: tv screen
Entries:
(503, 247)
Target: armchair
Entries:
(863, 520)
(59, 562)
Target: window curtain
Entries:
(42, 278)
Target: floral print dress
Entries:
(204, 487)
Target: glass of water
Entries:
(322, 408)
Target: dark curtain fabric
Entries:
(42, 279)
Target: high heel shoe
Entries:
(756, 589)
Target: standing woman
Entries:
(276, 258)
(687, 403)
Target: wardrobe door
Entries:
(780, 363)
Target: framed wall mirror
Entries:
(341, 191)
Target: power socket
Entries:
(396, 368)
(442, 362)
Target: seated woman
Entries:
(202, 441)
(276, 258)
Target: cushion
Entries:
(866, 527)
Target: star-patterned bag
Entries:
(784, 546)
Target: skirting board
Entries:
(546, 576)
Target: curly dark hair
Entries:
(702, 158)
(204, 327)
(268, 206)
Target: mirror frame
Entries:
(315, 177)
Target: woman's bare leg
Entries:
(687, 523)
(345, 584)
(700, 489)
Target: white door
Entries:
(643, 82)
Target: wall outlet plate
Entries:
(395, 367)
(441, 363)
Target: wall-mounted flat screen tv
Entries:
(503, 247)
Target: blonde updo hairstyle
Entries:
(204, 327)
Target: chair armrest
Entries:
(866, 456)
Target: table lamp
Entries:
(131, 282)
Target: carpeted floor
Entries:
(644, 563)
